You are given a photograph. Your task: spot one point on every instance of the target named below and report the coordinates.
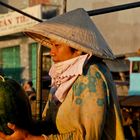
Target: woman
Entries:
(82, 104)
(29, 89)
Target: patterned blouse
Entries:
(87, 112)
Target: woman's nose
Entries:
(53, 50)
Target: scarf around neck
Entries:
(64, 74)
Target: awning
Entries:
(118, 65)
(130, 101)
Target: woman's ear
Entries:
(77, 53)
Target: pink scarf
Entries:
(64, 74)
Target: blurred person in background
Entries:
(136, 123)
(29, 89)
(127, 124)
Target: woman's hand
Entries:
(18, 134)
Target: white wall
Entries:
(20, 4)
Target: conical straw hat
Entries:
(74, 28)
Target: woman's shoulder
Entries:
(93, 66)
(97, 68)
(90, 71)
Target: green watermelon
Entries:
(14, 106)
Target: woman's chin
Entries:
(55, 61)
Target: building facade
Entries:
(18, 53)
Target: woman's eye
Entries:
(57, 45)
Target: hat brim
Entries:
(75, 29)
(45, 40)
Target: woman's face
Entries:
(61, 52)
